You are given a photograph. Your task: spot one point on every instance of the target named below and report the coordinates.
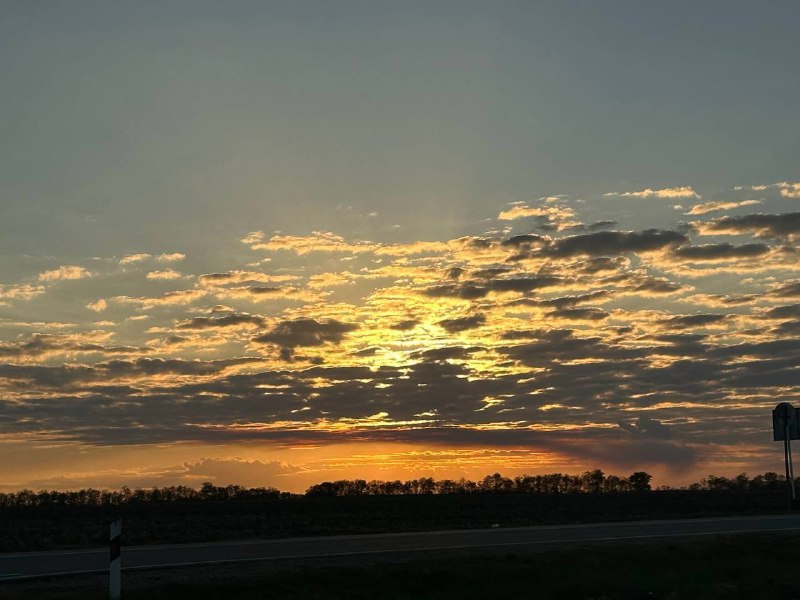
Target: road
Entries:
(32, 565)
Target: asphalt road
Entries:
(32, 565)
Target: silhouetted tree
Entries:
(592, 481)
(640, 481)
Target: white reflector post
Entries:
(115, 567)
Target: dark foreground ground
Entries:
(47, 528)
(748, 567)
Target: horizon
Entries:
(653, 486)
(289, 244)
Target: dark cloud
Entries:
(690, 321)
(603, 263)
(526, 240)
(554, 335)
(732, 300)
(480, 289)
(158, 366)
(641, 283)
(266, 290)
(579, 314)
(781, 226)
(563, 301)
(791, 311)
(66, 376)
(769, 349)
(404, 325)
(646, 427)
(588, 227)
(604, 243)
(42, 344)
(40, 375)
(307, 333)
(787, 328)
(712, 252)
(233, 320)
(563, 344)
(463, 291)
(447, 353)
(790, 289)
(525, 284)
(490, 273)
(462, 323)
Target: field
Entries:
(49, 527)
(752, 567)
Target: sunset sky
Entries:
(279, 243)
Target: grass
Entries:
(45, 528)
(751, 567)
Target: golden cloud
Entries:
(166, 274)
(130, 259)
(171, 257)
(666, 193)
(65, 272)
(707, 207)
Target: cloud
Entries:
(720, 300)
(65, 272)
(560, 217)
(234, 320)
(527, 240)
(717, 252)
(164, 275)
(176, 297)
(131, 259)
(707, 207)
(260, 293)
(790, 190)
(481, 288)
(171, 257)
(462, 323)
(219, 471)
(98, 306)
(239, 471)
(791, 311)
(683, 322)
(646, 427)
(615, 242)
(22, 291)
(239, 277)
(48, 345)
(307, 333)
(788, 289)
(786, 189)
(778, 226)
(572, 341)
(413, 248)
(579, 314)
(666, 193)
(318, 241)
(406, 325)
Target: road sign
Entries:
(785, 422)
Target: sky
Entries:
(275, 243)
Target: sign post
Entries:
(786, 427)
(115, 566)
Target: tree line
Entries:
(594, 481)
(589, 482)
